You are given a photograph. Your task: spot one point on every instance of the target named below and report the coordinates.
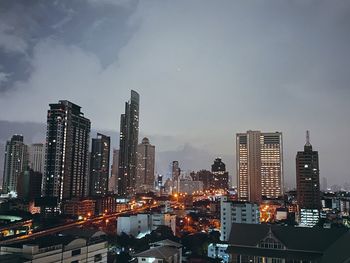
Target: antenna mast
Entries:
(308, 138)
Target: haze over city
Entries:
(205, 70)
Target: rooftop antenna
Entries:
(308, 138)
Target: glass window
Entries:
(76, 252)
(97, 258)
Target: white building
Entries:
(135, 225)
(217, 250)
(78, 246)
(141, 224)
(309, 217)
(236, 212)
(164, 220)
(161, 251)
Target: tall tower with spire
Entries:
(128, 141)
(308, 177)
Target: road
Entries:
(60, 228)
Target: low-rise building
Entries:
(309, 217)
(275, 243)
(219, 250)
(85, 207)
(141, 224)
(77, 245)
(163, 220)
(236, 212)
(105, 204)
(135, 225)
(161, 251)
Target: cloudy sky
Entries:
(205, 70)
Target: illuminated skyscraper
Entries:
(259, 161)
(67, 152)
(99, 165)
(308, 177)
(16, 162)
(129, 132)
(145, 179)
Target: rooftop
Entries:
(325, 245)
(167, 242)
(162, 252)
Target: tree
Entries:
(161, 233)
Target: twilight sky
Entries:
(205, 70)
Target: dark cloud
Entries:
(89, 25)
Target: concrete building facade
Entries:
(16, 162)
(259, 162)
(236, 212)
(145, 177)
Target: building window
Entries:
(75, 261)
(97, 258)
(76, 252)
(271, 243)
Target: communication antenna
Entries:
(307, 138)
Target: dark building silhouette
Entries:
(220, 176)
(204, 176)
(160, 181)
(16, 161)
(175, 174)
(67, 152)
(99, 165)
(308, 177)
(113, 180)
(275, 243)
(29, 185)
(129, 132)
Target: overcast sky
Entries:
(205, 70)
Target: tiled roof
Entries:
(162, 252)
(167, 242)
(294, 238)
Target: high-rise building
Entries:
(175, 174)
(37, 157)
(220, 176)
(236, 212)
(205, 177)
(129, 132)
(308, 177)
(66, 152)
(145, 167)
(259, 162)
(99, 165)
(159, 182)
(324, 184)
(113, 180)
(16, 162)
(29, 184)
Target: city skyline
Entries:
(173, 131)
(215, 73)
